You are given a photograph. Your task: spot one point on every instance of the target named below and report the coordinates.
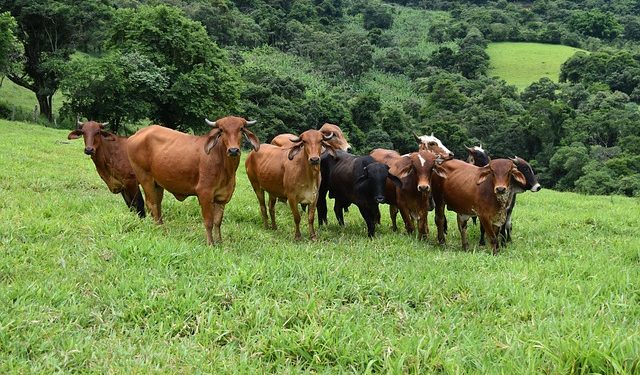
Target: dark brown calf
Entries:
(469, 190)
(109, 154)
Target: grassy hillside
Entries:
(521, 64)
(23, 99)
(87, 286)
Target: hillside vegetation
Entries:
(88, 287)
(522, 64)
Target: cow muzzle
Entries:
(500, 190)
(380, 199)
(234, 151)
(314, 160)
(536, 187)
(424, 188)
(89, 151)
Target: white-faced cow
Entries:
(109, 154)
(289, 173)
(187, 165)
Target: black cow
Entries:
(358, 180)
(532, 184)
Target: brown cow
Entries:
(186, 165)
(338, 141)
(469, 190)
(411, 198)
(109, 154)
(277, 171)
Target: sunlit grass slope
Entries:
(521, 64)
(23, 99)
(85, 286)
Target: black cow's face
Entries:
(477, 156)
(524, 168)
(373, 181)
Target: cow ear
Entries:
(255, 142)
(75, 134)
(295, 150)
(440, 171)
(396, 181)
(212, 140)
(519, 177)
(108, 136)
(329, 149)
(484, 173)
(402, 168)
(363, 176)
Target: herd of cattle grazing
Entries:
(302, 169)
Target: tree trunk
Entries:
(45, 106)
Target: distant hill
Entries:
(521, 64)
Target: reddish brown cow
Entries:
(338, 141)
(186, 165)
(109, 154)
(469, 190)
(279, 172)
(412, 197)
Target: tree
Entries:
(9, 46)
(49, 31)
(377, 15)
(201, 82)
(116, 87)
(595, 23)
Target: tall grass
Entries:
(85, 286)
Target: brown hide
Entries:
(338, 141)
(109, 155)
(186, 165)
(412, 198)
(291, 173)
(474, 191)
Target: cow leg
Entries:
(296, 217)
(423, 226)
(133, 198)
(206, 207)
(369, 218)
(272, 212)
(337, 209)
(377, 215)
(491, 231)
(462, 226)
(440, 223)
(482, 242)
(408, 220)
(322, 207)
(393, 214)
(154, 202)
(312, 214)
(218, 213)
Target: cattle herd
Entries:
(303, 169)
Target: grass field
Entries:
(85, 286)
(521, 64)
(23, 99)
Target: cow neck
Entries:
(311, 172)
(107, 151)
(229, 164)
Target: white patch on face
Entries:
(479, 149)
(535, 188)
(426, 139)
(422, 161)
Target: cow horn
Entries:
(328, 137)
(515, 160)
(105, 123)
(467, 147)
(78, 122)
(211, 123)
(295, 140)
(415, 136)
(252, 122)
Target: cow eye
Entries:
(432, 144)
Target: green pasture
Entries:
(23, 99)
(520, 64)
(86, 286)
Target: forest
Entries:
(378, 69)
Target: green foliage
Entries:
(376, 15)
(117, 87)
(201, 83)
(9, 45)
(595, 23)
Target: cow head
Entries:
(230, 129)
(312, 142)
(477, 156)
(93, 134)
(338, 141)
(433, 144)
(373, 180)
(502, 171)
(421, 164)
(526, 170)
